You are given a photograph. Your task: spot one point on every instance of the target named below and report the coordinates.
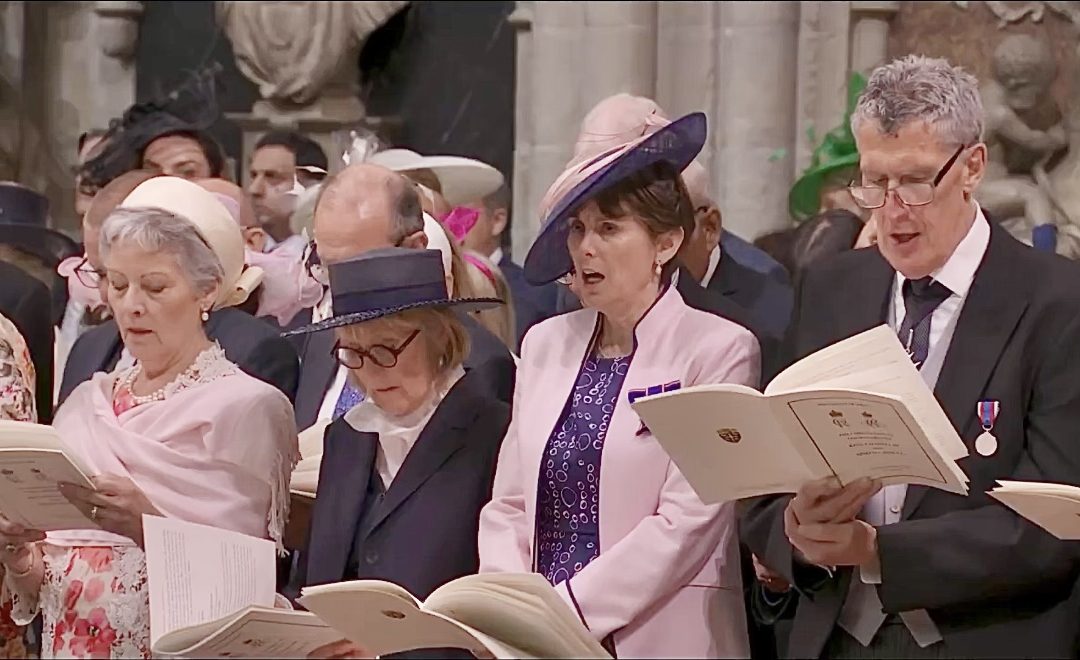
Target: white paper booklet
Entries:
(857, 408)
(1054, 507)
(212, 596)
(32, 465)
(305, 476)
(505, 615)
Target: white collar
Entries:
(496, 257)
(714, 261)
(959, 271)
(366, 417)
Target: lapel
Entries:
(317, 370)
(996, 301)
(726, 278)
(343, 482)
(864, 303)
(105, 348)
(444, 434)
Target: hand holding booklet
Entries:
(857, 408)
(33, 463)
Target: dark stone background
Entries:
(446, 69)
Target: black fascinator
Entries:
(190, 108)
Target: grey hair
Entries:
(918, 88)
(157, 230)
(407, 214)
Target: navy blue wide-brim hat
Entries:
(387, 281)
(678, 143)
(24, 223)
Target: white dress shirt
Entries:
(862, 615)
(397, 435)
(714, 261)
(496, 257)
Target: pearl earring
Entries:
(205, 316)
(659, 267)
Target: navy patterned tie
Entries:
(921, 298)
(350, 397)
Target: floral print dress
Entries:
(17, 384)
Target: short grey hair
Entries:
(918, 88)
(157, 230)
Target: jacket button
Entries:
(371, 556)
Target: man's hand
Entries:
(852, 543)
(825, 500)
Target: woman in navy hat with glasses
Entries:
(583, 493)
(404, 473)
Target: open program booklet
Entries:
(32, 465)
(305, 476)
(212, 596)
(1054, 507)
(505, 615)
(857, 408)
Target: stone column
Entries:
(823, 73)
(554, 108)
(870, 32)
(618, 49)
(521, 229)
(755, 113)
(686, 72)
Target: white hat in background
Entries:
(463, 180)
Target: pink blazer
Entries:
(667, 581)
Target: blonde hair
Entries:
(499, 320)
(444, 336)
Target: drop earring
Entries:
(659, 268)
(205, 316)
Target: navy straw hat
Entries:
(678, 144)
(387, 281)
(24, 222)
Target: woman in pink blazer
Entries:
(583, 493)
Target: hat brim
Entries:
(804, 198)
(50, 245)
(678, 143)
(463, 180)
(464, 304)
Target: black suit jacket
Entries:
(424, 529)
(27, 303)
(766, 297)
(714, 302)
(995, 584)
(532, 304)
(488, 357)
(253, 344)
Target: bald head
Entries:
(365, 207)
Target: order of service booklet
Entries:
(857, 408)
(33, 462)
(1054, 507)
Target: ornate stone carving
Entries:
(1015, 12)
(1026, 137)
(118, 28)
(303, 55)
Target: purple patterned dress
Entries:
(568, 501)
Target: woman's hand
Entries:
(117, 505)
(341, 649)
(16, 545)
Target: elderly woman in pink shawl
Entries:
(181, 432)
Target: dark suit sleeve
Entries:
(989, 553)
(761, 519)
(273, 360)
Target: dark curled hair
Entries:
(657, 196)
(210, 147)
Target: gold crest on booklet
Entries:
(729, 435)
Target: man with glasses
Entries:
(993, 327)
